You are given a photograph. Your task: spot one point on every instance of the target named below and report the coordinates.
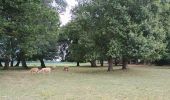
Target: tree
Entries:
(140, 31)
(73, 33)
(128, 33)
(165, 20)
(32, 24)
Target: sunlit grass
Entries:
(85, 83)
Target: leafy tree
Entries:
(73, 33)
(82, 46)
(42, 30)
(32, 24)
(128, 33)
(165, 20)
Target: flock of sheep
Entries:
(44, 70)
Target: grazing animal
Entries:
(45, 70)
(34, 70)
(65, 69)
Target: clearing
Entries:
(85, 83)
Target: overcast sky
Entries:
(66, 16)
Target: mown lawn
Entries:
(84, 83)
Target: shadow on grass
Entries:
(117, 71)
(18, 68)
(99, 70)
(22, 68)
(130, 71)
(89, 66)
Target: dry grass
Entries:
(136, 83)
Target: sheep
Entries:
(34, 70)
(45, 70)
(65, 68)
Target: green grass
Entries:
(84, 83)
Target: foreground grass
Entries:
(136, 83)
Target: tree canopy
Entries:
(32, 24)
(112, 28)
(99, 30)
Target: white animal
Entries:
(45, 70)
(34, 70)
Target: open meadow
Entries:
(60, 34)
(85, 83)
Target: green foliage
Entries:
(73, 32)
(31, 23)
(41, 27)
(121, 30)
(165, 20)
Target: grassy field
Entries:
(85, 83)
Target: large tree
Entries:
(32, 24)
(126, 33)
(165, 20)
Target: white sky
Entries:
(65, 17)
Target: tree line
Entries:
(118, 29)
(99, 30)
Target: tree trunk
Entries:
(1, 64)
(6, 67)
(12, 51)
(93, 63)
(18, 59)
(101, 62)
(24, 64)
(78, 63)
(12, 63)
(110, 64)
(125, 63)
(116, 62)
(23, 60)
(42, 62)
(18, 62)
